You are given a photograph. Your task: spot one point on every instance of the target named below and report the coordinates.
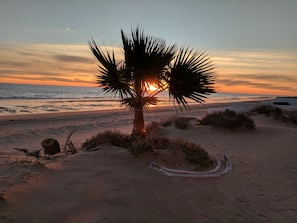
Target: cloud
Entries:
(246, 82)
(48, 79)
(72, 59)
(57, 64)
(14, 64)
(269, 77)
(256, 60)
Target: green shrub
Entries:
(140, 147)
(195, 153)
(136, 147)
(229, 120)
(159, 142)
(151, 145)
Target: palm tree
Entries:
(185, 73)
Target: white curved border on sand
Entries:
(184, 173)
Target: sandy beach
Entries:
(109, 185)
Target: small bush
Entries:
(151, 145)
(140, 147)
(229, 120)
(195, 153)
(159, 142)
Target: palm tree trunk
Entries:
(138, 128)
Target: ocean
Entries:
(36, 99)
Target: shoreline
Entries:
(58, 115)
(14, 108)
(100, 111)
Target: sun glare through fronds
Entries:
(151, 87)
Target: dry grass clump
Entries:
(229, 120)
(269, 110)
(159, 142)
(179, 122)
(182, 122)
(140, 147)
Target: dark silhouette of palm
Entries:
(185, 73)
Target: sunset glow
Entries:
(261, 72)
(42, 49)
(151, 87)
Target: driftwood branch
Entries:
(69, 143)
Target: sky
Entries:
(253, 43)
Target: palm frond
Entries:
(112, 77)
(142, 103)
(146, 56)
(190, 76)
